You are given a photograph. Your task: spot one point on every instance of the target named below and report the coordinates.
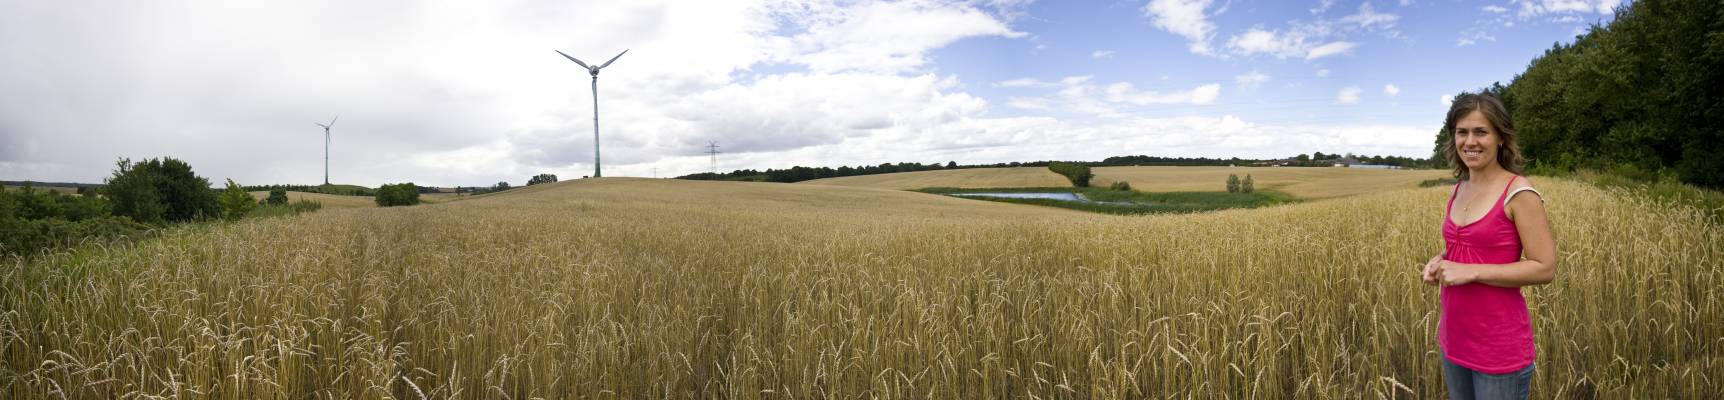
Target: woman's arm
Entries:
(1537, 242)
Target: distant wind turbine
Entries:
(595, 72)
(326, 147)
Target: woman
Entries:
(1496, 241)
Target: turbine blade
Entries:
(583, 65)
(320, 124)
(613, 59)
(332, 121)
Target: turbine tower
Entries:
(326, 147)
(595, 73)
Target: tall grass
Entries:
(655, 288)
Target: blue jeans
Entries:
(1466, 383)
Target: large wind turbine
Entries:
(326, 147)
(595, 72)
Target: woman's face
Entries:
(1476, 141)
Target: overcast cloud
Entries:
(470, 93)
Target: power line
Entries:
(712, 149)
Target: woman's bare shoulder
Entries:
(1522, 195)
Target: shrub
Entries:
(276, 198)
(156, 191)
(541, 178)
(1079, 175)
(400, 194)
(235, 202)
(32, 221)
(1232, 183)
(1122, 186)
(1245, 186)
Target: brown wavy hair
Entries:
(1508, 154)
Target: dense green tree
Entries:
(1233, 183)
(1643, 93)
(160, 190)
(541, 178)
(1078, 174)
(400, 194)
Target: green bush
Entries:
(156, 191)
(1232, 183)
(235, 202)
(1079, 175)
(32, 221)
(1247, 186)
(276, 198)
(1122, 186)
(400, 194)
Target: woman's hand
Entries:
(1456, 274)
(1433, 273)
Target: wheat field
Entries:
(1304, 183)
(641, 288)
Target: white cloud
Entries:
(1472, 37)
(1446, 100)
(888, 37)
(1185, 18)
(1323, 5)
(1369, 18)
(449, 92)
(1081, 95)
(1124, 92)
(1348, 95)
(1495, 9)
(1251, 80)
(1100, 54)
(1323, 73)
(1534, 8)
(445, 93)
(1329, 49)
(1283, 45)
(1391, 89)
(1020, 82)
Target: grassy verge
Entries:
(1131, 202)
(1663, 190)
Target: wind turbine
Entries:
(326, 147)
(595, 72)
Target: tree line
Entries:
(801, 173)
(1642, 96)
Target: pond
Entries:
(1067, 196)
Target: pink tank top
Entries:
(1484, 328)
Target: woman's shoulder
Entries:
(1521, 181)
(1521, 192)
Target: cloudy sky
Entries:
(471, 93)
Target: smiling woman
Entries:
(1485, 330)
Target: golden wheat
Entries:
(656, 288)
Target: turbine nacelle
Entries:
(592, 69)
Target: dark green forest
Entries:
(1640, 96)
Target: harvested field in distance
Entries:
(1301, 182)
(645, 288)
(958, 178)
